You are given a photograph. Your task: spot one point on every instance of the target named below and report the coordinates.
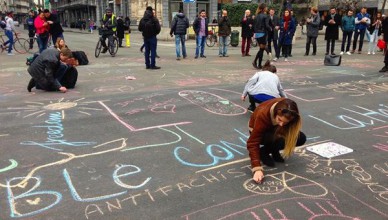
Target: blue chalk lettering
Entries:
(209, 149)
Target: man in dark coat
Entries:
(274, 32)
(179, 26)
(333, 22)
(48, 69)
(120, 30)
(55, 26)
(150, 27)
(224, 30)
(246, 33)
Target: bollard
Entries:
(127, 40)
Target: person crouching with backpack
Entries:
(150, 27)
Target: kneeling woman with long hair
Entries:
(276, 124)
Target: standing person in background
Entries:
(31, 27)
(9, 30)
(287, 27)
(42, 31)
(200, 27)
(91, 26)
(312, 26)
(347, 27)
(127, 24)
(179, 26)
(374, 32)
(260, 27)
(120, 30)
(293, 34)
(55, 26)
(224, 30)
(273, 33)
(246, 33)
(362, 22)
(332, 21)
(385, 37)
(150, 27)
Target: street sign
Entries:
(188, 1)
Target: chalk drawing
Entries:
(212, 103)
(121, 143)
(284, 181)
(13, 199)
(355, 122)
(39, 109)
(13, 165)
(357, 88)
(306, 100)
(132, 128)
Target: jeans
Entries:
(200, 40)
(373, 40)
(223, 45)
(246, 45)
(54, 37)
(311, 40)
(42, 43)
(346, 35)
(180, 39)
(9, 34)
(150, 47)
(357, 33)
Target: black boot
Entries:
(265, 157)
(104, 50)
(276, 156)
(384, 69)
(31, 85)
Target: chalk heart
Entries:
(164, 109)
(36, 201)
(23, 185)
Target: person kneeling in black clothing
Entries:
(48, 69)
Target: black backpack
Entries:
(149, 28)
(81, 57)
(3, 25)
(70, 78)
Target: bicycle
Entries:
(211, 38)
(34, 39)
(17, 43)
(98, 49)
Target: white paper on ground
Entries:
(329, 149)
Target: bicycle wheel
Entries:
(113, 49)
(18, 45)
(98, 48)
(210, 40)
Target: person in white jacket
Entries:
(9, 29)
(263, 86)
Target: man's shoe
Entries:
(155, 67)
(342, 53)
(255, 65)
(306, 54)
(219, 55)
(248, 55)
(384, 69)
(157, 56)
(251, 108)
(31, 85)
(178, 58)
(184, 57)
(104, 50)
(203, 56)
(196, 57)
(327, 53)
(313, 54)
(359, 52)
(352, 51)
(348, 53)
(226, 55)
(290, 55)
(147, 67)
